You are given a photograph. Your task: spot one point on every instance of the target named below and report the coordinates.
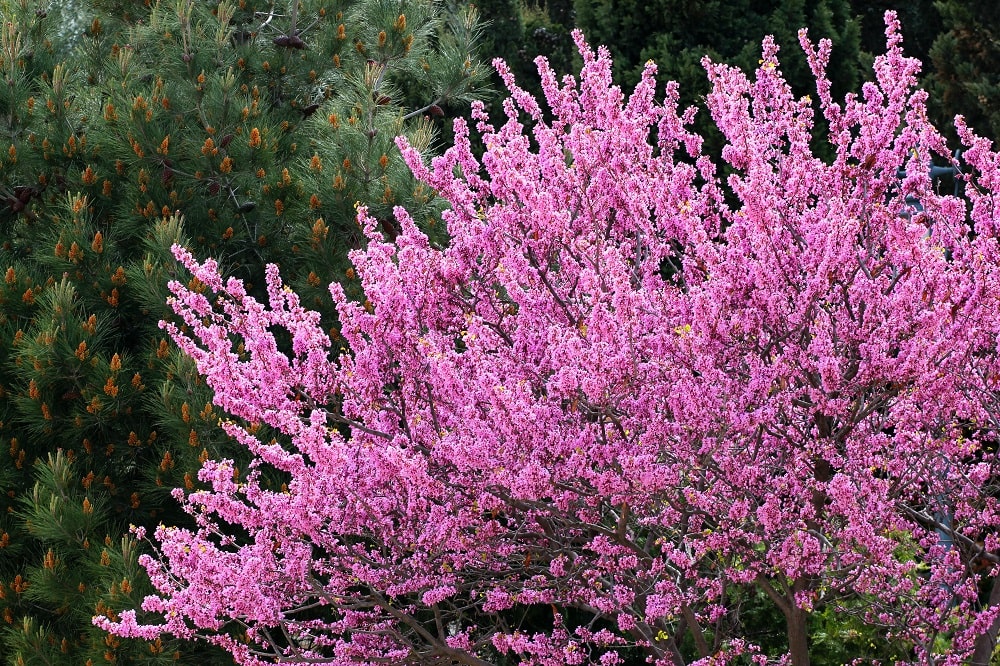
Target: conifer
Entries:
(246, 130)
(965, 78)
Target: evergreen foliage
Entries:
(966, 59)
(248, 131)
(920, 20)
(677, 34)
(547, 27)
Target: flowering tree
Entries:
(626, 395)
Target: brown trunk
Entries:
(696, 632)
(798, 636)
(795, 619)
(985, 644)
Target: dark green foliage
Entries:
(678, 34)
(966, 66)
(520, 32)
(919, 20)
(246, 131)
(504, 28)
(547, 29)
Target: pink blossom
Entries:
(628, 390)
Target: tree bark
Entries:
(795, 619)
(798, 635)
(986, 643)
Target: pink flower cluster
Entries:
(626, 390)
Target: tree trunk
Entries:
(798, 635)
(986, 643)
(795, 619)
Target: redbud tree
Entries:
(627, 396)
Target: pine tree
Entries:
(678, 34)
(521, 31)
(248, 131)
(966, 58)
(919, 18)
(547, 27)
